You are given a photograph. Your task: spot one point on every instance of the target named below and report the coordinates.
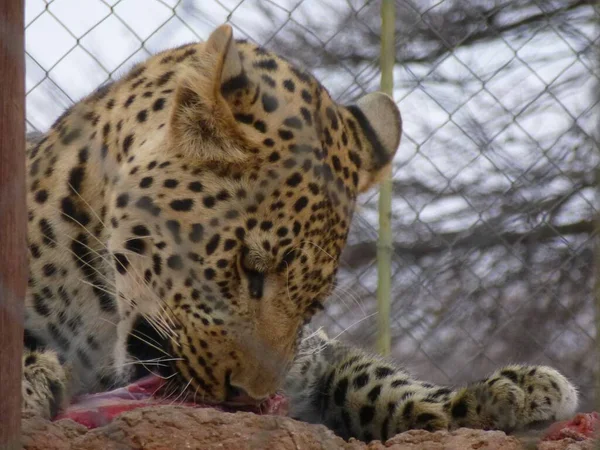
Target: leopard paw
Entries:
(516, 397)
(45, 384)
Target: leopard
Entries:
(188, 218)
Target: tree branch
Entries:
(482, 238)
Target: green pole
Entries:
(384, 244)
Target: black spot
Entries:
(306, 96)
(72, 214)
(267, 64)
(140, 230)
(533, 405)
(49, 269)
(266, 225)
(244, 118)
(158, 104)
(76, 177)
(35, 251)
(122, 200)
(182, 205)
(196, 233)
(302, 75)
(339, 395)
(170, 183)
(70, 136)
(195, 186)
(129, 101)
(293, 122)
(267, 79)
(233, 84)
(229, 244)
(121, 263)
(212, 244)
(209, 201)
(289, 85)
(136, 245)
(511, 375)
(294, 180)
(383, 372)
(142, 115)
(260, 126)
(460, 409)
(174, 227)
(373, 394)
(300, 204)
(269, 103)
(127, 143)
(164, 78)
(175, 262)
(209, 273)
(41, 196)
(146, 182)
(332, 118)
(40, 306)
(306, 115)
(48, 236)
(366, 415)
(408, 409)
(156, 264)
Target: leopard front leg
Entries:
(45, 384)
(360, 395)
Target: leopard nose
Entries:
(237, 395)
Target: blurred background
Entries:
(494, 186)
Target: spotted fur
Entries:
(360, 395)
(188, 219)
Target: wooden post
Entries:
(13, 218)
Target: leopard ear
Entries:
(202, 124)
(381, 125)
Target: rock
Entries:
(461, 439)
(178, 427)
(568, 444)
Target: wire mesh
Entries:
(494, 184)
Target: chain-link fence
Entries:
(495, 181)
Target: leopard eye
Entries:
(256, 279)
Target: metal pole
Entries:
(13, 218)
(384, 244)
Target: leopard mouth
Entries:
(97, 410)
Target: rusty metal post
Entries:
(13, 218)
